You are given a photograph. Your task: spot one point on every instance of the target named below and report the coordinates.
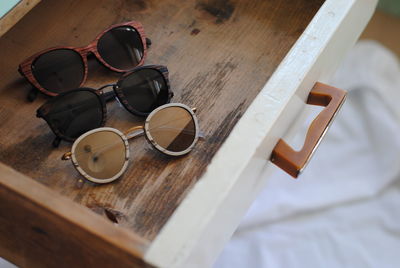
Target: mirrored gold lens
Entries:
(101, 155)
(172, 128)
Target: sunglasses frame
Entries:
(25, 68)
(155, 144)
(45, 109)
(125, 137)
(87, 176)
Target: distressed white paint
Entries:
(209, 214)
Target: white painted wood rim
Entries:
(200, 226)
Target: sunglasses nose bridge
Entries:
(110, 94)
(88, 49)
(134, 132)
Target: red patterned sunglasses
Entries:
(55, 70)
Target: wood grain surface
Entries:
(15, 14)
(40, 229)
(219, 54)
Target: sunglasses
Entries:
(101, 155)
(72, 113)
(119, 48)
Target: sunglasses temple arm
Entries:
(134, 132)
(33, 92)
(32, 95)
(56, 142)
(201, 134)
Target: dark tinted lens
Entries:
(121, 47)
(145, 90)
(75, 113)
(59, 70)
(172, 128)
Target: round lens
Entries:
(74, 113)
(59, 70)
(101, 155)
(172, 128)
(121, 47)
(145, 90)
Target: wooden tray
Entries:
(220, 55)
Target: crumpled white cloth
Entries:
(344, 210)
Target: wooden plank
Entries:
(39, 228)
(220, 54)
(240, 169)
(15, 14)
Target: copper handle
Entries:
(293, 162)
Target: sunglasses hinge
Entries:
(66, 156)
(148, 42)
(20, 70)
(39, 113)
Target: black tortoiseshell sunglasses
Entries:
(72, 113)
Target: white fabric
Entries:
(6, 264)
(344, 210)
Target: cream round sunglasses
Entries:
(102, 154)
